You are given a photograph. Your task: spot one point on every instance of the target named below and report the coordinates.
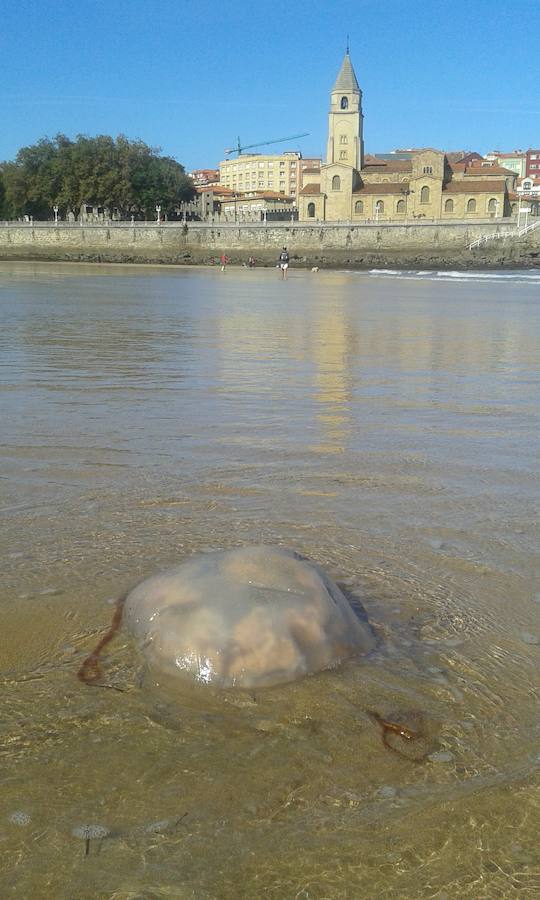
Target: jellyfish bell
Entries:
(245, 618)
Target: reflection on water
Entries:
(386, 427)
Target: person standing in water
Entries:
(283, 262)
(224, 259)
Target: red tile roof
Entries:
(475, 187)
(311, 189)
(476, 170)
(268, 195)
(215, 188)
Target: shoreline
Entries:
(330, 260)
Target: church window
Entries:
(513, 208)
(311, 210)
(379, 206)
(359, 206)
(344, 103)
(492, 205)
(343, 139)
(400, 207)
(428, 170)
(336, 183)
(471, 205)
(449, 206)
(343, 154)
(424, 195)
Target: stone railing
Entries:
(227, 223)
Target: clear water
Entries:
(385, 426)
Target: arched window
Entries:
(343, 139)
(424, 195)
(492, 205)
(428, 170)
(527, 185)
(514, 208)
(379, 206)
(344, 103)
(471, 205)
(336, 183)
(311, 210)
(449, 206)
(400, 206)
(359, 206)
(343, 154)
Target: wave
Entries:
(524, 276)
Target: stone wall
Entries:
(438, 244)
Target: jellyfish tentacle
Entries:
(90, 671)
(389, 728)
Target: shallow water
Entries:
(384, 426)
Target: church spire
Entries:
(346, 80)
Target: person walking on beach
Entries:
(283, 263)
(224, 259)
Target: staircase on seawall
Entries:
(517, 232)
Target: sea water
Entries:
(383, 424)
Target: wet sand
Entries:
(385, 426)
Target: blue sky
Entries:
(190, 77)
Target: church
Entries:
(401, 187)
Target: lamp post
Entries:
(406, 193)
(158, 211)
(55, 211)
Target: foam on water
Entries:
(517, 276)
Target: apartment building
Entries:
(532, 168)
(281, 173)
(516, 161)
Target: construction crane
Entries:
(239, 149)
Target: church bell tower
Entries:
(345, 120)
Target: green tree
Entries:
(123, 175)
(3, 211)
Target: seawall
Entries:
(439, 244)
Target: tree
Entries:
(123, 175)
(2, 194)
